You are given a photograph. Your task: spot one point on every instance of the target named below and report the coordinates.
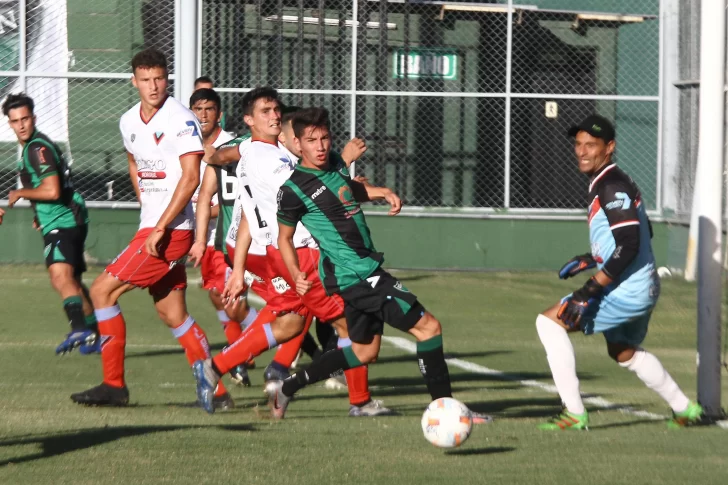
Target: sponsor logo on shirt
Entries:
(622, 202)
(133, 137)
(347, 199)
(151, 169)
(318, 192)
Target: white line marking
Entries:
(411, 347)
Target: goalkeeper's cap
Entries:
(597, 126)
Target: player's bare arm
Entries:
(203, 213)
(365, 192)
(353, 151)
(290, 258)
(180, 198)
(49, 189)
(222, 156)
(133, 176)
(2, 213)
(235, 285)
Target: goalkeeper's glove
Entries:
(576, 265)
(573, 308)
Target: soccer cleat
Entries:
(272, 375)
(102, 395)
(690, 416)
(372, 408)
(223, 402)
(336, 383)
(277, 401)
(567, 421)
(88, 349)
(240, 376)
(480, 418)
(76, 339)
(207, 380)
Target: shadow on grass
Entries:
(59, 444)
(481, 451)
(626, 424)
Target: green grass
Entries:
(488, 320)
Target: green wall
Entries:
(407, 242)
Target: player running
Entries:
(322, 196)
(211, 198)
(618, 300)
(60, 215)
(164, 150)
(266, 166)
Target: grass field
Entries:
(488, 321)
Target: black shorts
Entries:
(379, 299)
(66, 246)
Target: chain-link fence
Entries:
(72, 57)
(462, 105)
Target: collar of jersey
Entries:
(601, 173)
(312, 170)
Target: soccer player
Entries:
(60, 215)
(164, 150)
(207, 251)
(322, 196)
(205, 82)
(619, 299)
(266, 166)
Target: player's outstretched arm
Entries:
(203, 215)
(367, 192)
(180, 198)
(133, 176)
(223, 156)
(288, 253)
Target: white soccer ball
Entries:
(447, 423)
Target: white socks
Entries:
(650, 371)
(560, 355)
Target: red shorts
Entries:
(278, 295)
(214, 270)
(324, 307)
(167, 272)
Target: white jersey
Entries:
(244, 204)
(222, 138)
(157, 145)
(264, 167)
(301, 237)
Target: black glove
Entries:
(573, 308)
(576, 265)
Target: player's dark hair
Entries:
(205, 94)
(310, 118)
(204, 79)
(264, 92)
(288, 112)
(148, 59)
(15, 101)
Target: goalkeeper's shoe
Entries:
(239, 375)
(102, 395)
(207, 380)
(690, 416)
(75, 339)
(567, 421)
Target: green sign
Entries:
(426, 63)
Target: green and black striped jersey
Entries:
(41, 159)
(227, 191)
(323, 200)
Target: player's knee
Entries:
(428, 326)
(620, 352)
(367, 354)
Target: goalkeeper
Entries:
(618, 300)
